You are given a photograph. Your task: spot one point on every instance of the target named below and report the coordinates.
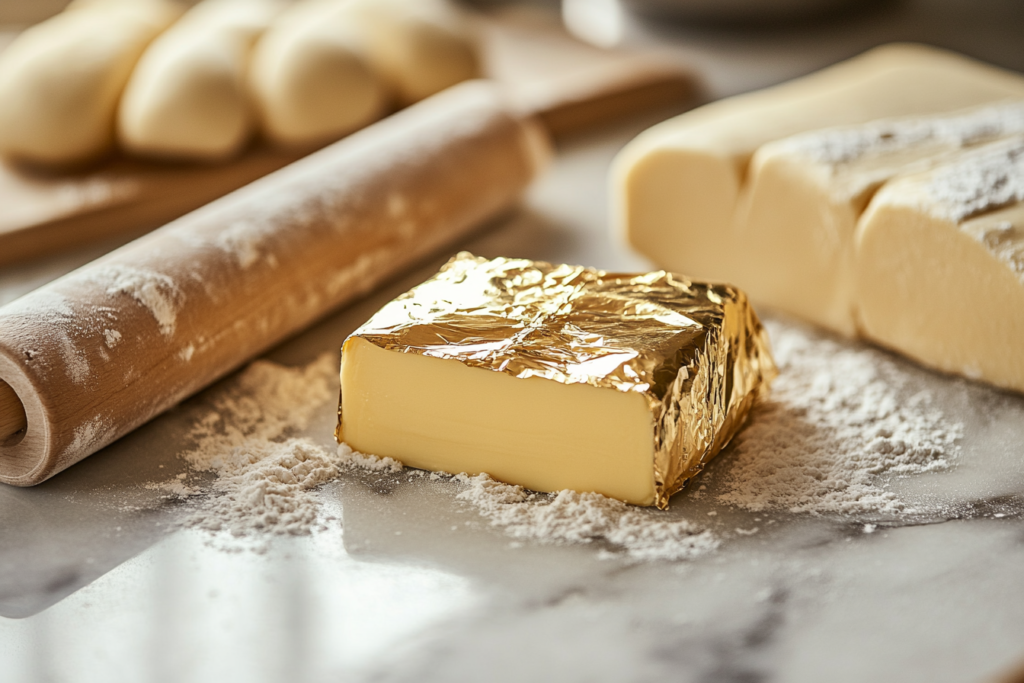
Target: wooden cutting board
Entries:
(47, 212)
(43, 212)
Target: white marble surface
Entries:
(93, 591)
(418, 587)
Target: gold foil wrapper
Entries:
(697, 352)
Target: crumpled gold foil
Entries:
(696, 351)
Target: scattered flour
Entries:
(571, 517)
(87, 435)
(263, 402)
(155, 291)
(351, 458)
(832, 432)
(176, 486)
(989, 179)
(566, 517)
(75, 361)
(1003, 240)
(264, 481)
(240, 240)
(889, 136)
(833, 425)
(266, 486)
(63, 323)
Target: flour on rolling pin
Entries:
(106, 348)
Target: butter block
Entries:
(940, 265)
(675, 188)
(555, 377)
(807, 192)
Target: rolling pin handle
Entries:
(12, 413)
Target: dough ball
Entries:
(310, 77)
(60, 81)
(187, 97)
(420, 46)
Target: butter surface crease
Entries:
(695, 352)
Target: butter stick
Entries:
(807, 192)
(555, 377)
(676, 187)
(940, 265)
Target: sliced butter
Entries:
(676, 187)
(940, 265)
(806, 193)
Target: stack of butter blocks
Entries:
(879, 198)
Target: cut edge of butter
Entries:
(944, 288)
(676, 187)
(441, 415)
(805, 194)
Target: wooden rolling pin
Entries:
(100, 351)
(104, 349)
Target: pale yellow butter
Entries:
(806, 193)
(940, 265)
(440, 415)
(677, 186)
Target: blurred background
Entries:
(738, 45)
(717, 48)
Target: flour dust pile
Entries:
(834, 427)
(571, 517)
(833, 431)
(264, 481)
(837, 426)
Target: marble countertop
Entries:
(95, 586)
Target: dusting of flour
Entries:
(571, 517)
(265, 482)
(850, 144)
(266, 486)
(831, 430)
(836, 427)
(157, 292)
(261, 404)
(987, 180)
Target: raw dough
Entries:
(940, 265)
(60, 80)
(311, 78)
(676, 187)
(806, 193)
(188, 97)
(420, 46)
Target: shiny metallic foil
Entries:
(697, 352)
